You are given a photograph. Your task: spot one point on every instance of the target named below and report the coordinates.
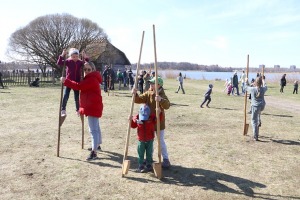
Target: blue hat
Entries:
(144, 112)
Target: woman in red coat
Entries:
(90, 102)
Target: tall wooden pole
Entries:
(126, 163)
(246, 126)
(157, 166)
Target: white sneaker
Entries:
(63, 113)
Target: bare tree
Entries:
(44, 38)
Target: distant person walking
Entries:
(141, 82)
(242, 80)
(257, 104)
(107, 78)
(131, 78)
(282, 83)
(207, 96)
(1, 83)
(146, 81)
(125, 77)
(295, 87)
(180, 80)
(235, 83)
(120, 78)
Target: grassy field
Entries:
(210, 157)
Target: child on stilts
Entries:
(73, 72)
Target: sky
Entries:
(207, 32)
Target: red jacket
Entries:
(73, 69)
(90, 94)
(145, 131)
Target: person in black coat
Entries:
(282, 83)
(1, 83)
(106, 77)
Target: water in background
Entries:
(199, 75)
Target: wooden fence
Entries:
(25, 78)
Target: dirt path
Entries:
(286, 105)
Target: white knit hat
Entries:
(73, 51)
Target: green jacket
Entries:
(149, 98)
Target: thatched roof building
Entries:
(111, 55)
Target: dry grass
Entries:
(211, 159)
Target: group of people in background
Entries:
(283, 84)
(145, 120)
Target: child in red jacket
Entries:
(145, 125)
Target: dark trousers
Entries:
(206, 98)
(180, 87)
(237, 90)
(281, 89)
(1, 83)
(66, 98)
(295, 90)
(141, 88)
(105, 85)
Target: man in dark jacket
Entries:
(282, 83)
(235, 83)
(106, 77)
(1, 83)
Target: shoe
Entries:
(176, 92)
(141, 169)
(259, 125)
(92, 156)
(63, 113)
(201, 106)
(166, 164)
(249, 112)
(149, 168)
(207, 106)
(98, 149)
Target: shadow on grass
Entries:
(209, 180)
(286, 142)
(216, 181)
(5, 92)
(129, 96)
(175, 104)
(223, 108)
(102, 156)
(277, 115)
(190, 177)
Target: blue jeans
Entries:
(243, 88)
(94, 128)
(255, 119)
(66, 98)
